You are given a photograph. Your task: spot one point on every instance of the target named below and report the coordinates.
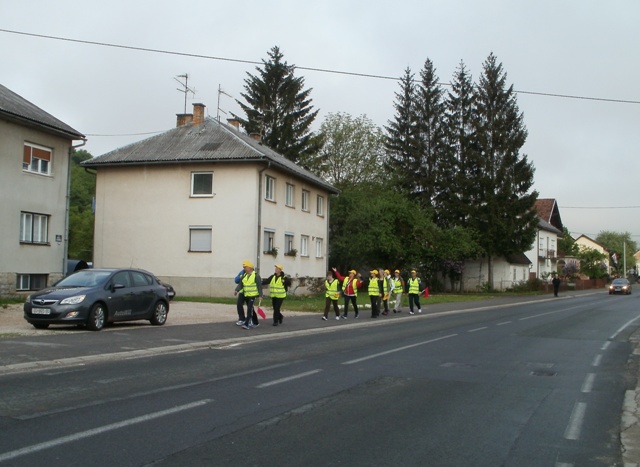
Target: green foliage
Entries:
(592, 263)
(279, 109)
(81, 220)
(567, 244)
(618, 242)
(352, 151)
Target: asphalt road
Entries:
(528, 384)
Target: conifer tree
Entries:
(279, 109)
(503, 212)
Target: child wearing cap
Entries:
(398, 288)
(278, 286)
(350, 287)
(332, 295)
(415, 286)
(375, 289)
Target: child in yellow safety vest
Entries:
(332, 286)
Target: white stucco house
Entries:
(507, 272)
(35, 150)
(544, 251)
(585, 241)
(192, 203)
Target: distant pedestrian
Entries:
(240, 299)
(332, 294)
(251, 287)
(414, 285)
(375, 290)
(398, 288)
(278, 286)
(387, 287)
(350, 286)
(556, 285)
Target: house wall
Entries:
(143, 215)
(584, 241)
(544, 254)
(505, 275)
(28, 192)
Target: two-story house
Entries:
(192, 203)
(34, 181)
(544, 251)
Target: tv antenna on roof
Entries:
(185, 88)
(220, 91)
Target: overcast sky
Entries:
(584, 150)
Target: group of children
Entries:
(380, 287)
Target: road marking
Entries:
(288, 378)
(575, 421)
(597, 360)
(478, 329)
(606, 345)
(97, 431)
(399, 349)
(624, 326)
(587, 386)
(504, 322)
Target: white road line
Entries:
(399, 349)
(575, 421)
(597, 360)
(504, 322)
(543, 314)
(587, 386)
(288, 378)
(478, 329)
(96, 431)
(624, 326)
(606, 345)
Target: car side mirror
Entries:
(116, 286)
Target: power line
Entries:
(599, 207)
(320, 70)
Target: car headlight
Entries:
(73, 300)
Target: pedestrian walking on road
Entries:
(332, 294)
(240, 299)
(251, 287)
(398, 288)
(278, 286)
(375, 289)
(556, 285)
(415, 288)
(350, 286)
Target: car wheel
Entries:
(40, 325)
(160, 312)
(97, 317)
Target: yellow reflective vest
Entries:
(249, 286)
(332, 289)
(276, 287)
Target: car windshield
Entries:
(620, 282)
(85, 278)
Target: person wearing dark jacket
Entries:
(278, 286)
(251, 286)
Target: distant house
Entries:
(34, 182)
(544, 251)
(192, 203)
(507, 272)
(587, 242)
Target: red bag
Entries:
(260, 312)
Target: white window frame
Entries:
(208, 194)
(37, 165)
(268, 241)
(289, 244)
(319, 248)
(289, 196)
(320, 206)
(306, 194)
(200, 239)
(269, 188)
(304, 245)
(34, 228)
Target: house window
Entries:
(34, 228)
(268, 243)
(319, 249)
(304, 245)
(288, 243)
(202, 184)
(320, 206)
(269, 188)
(200, 238)
(305, 200)
(36, 159)
(31, 281)
(289, 195)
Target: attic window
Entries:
(210, 146)
(202, 184)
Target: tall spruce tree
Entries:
(503, 212)
(279, 108)
(403, 152)
(431, 134)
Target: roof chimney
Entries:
(234, 122)
(198, 114)
(183, 119)
(255, 136)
